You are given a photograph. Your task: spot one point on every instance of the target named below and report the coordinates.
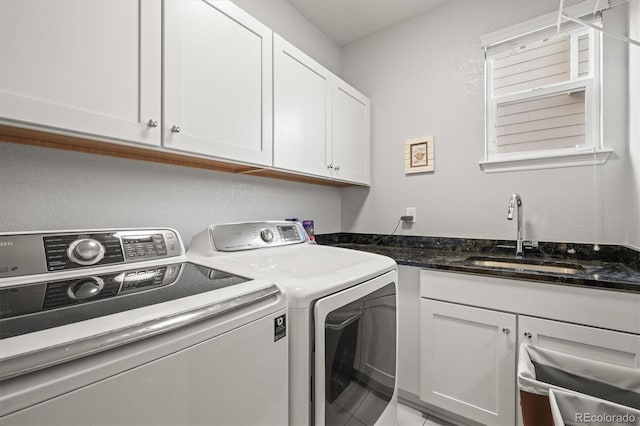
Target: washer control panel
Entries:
(150, 245)
(69, 251)
(253, 235)
(35, 253)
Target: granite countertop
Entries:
(607, 267)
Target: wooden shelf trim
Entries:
(73, 143)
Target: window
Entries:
(543, 99)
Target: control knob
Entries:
(266, 235)
(85, 288)
(86, 251)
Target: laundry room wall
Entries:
(286, 21)
(425, 76)
(50, 189)
(633, 222)
(42, 188)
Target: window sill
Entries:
(587, 158)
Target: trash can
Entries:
(573, 409)
(540, 370)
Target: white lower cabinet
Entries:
(468, 354)
(468, 358)
(608, 346)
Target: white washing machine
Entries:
(116, 327)
(342, 317)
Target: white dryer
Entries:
(342, 317)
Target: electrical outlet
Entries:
(411, 211)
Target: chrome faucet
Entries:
(516, 201)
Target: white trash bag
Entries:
(573, 409)
(540, 370)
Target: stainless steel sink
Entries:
(527, 265)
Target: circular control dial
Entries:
(86, 251)
(266, 235)
(85, 288)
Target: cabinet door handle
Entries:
(528, 335)
(330, 166)
(152, 123)
(175, 129)
(336, 168)
(506, 330)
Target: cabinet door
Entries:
(217, 81)
(90, 67)
(301, 106)
(468, 361)
(350, 133)
(594, 343)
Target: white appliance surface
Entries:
(307, 273)
(77, 331)
(196, 347)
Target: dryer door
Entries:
(356, 354)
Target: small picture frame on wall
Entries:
(418, 155)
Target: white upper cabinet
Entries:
(321, 124)
(90, 67)
(301, 111)
(217, 81)
(350, 134)
(195, 76)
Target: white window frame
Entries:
(592, 151)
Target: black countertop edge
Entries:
(611, 267)
(532, 276)
(550, 250)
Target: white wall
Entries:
(633, 230)
(284, 19)
(425, 76)
(50, 189)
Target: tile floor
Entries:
(407, 416)
(355, 406)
